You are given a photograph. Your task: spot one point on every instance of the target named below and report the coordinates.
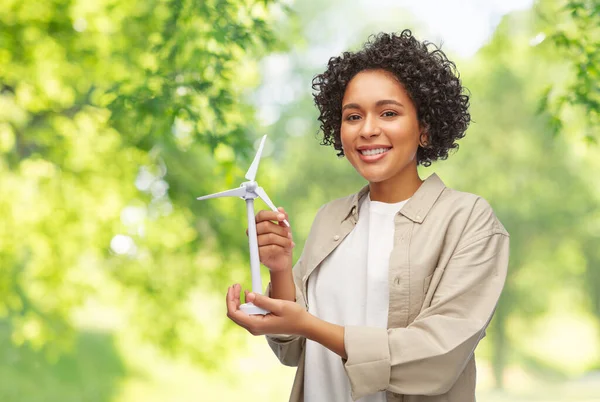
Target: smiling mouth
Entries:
(373, 152)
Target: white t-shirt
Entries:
(350, 288)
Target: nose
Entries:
(370, 128)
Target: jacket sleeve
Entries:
(427, 357)
(288, 348)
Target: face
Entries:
(380, 132)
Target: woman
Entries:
(396, 283)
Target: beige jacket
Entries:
(446, 273)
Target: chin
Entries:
(374, 174)
(376, 181)
(373, 178)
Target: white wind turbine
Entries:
(248, 191)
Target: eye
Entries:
(353, 117)
(389, 113)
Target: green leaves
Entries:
(574, 29)
(109, 113)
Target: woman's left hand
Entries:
(286, 317)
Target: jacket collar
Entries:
(416, 209)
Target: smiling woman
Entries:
(396, 283)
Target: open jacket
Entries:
(446, 272)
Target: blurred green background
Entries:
(116, 115)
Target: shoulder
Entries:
(329, 214)
(471, 212)
(339, 208)
(332, 214)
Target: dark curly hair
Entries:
(431, 80)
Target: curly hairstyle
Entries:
(431, 80)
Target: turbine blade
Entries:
(236, 192)
(263, 196)
(251, 173)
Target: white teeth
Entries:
(371, 152)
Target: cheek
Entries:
(347, 145)
(406, 134)
(344, 137)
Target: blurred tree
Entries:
(114, 116)
(573, 29)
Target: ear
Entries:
(424, 139)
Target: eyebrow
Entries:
(379, 103)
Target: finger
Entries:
(267, 253)
(233, 300)
(272, 305)
(233, 311)
(283, 218)
(267, 215)
(287, 218)
(229, 302)
(246, 295)
(274, 240)
(270, 227)
(251, 323)
(236, 295)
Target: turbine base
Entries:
(251, 309)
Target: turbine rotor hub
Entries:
(251, 185)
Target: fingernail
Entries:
(293, 244)
(251, 294)
(281, 216)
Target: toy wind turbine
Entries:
(248, 191)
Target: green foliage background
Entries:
(115, 116)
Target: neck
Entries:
(397, 188)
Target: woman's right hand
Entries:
(275, 243)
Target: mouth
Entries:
(373, 152)
(372, 155)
